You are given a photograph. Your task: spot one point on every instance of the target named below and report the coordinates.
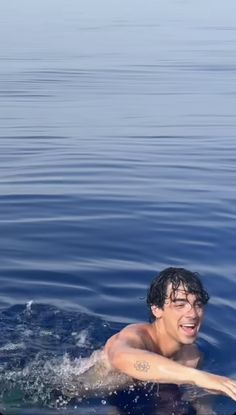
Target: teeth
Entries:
(188, 325)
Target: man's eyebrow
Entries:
(179, 299)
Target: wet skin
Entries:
(176, 327)
(164, 351)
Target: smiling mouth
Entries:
(190, 329)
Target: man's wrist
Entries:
(193, 376)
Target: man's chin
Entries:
(188, 341)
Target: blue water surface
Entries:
(117, 159)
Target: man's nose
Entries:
(192, 310)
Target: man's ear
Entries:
(156, 311)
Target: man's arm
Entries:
(126, 353)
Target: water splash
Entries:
(58, 381)
(49, 356)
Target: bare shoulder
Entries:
(139, 329)
(190, 356)
(132, 335)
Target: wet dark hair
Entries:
(157, 293)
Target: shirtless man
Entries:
(164, 351)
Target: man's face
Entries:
(182, 315)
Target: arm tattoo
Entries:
(142, 366)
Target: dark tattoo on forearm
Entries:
(142, 366)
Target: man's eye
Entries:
(179, 305)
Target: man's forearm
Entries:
(147, 366)
(151, 367)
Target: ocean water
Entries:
(117, 159)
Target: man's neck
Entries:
(166, 345)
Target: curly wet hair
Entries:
(157, 293)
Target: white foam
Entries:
(12, 346)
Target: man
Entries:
(164, 351)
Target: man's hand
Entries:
(215, 383)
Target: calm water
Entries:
(117, 159)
